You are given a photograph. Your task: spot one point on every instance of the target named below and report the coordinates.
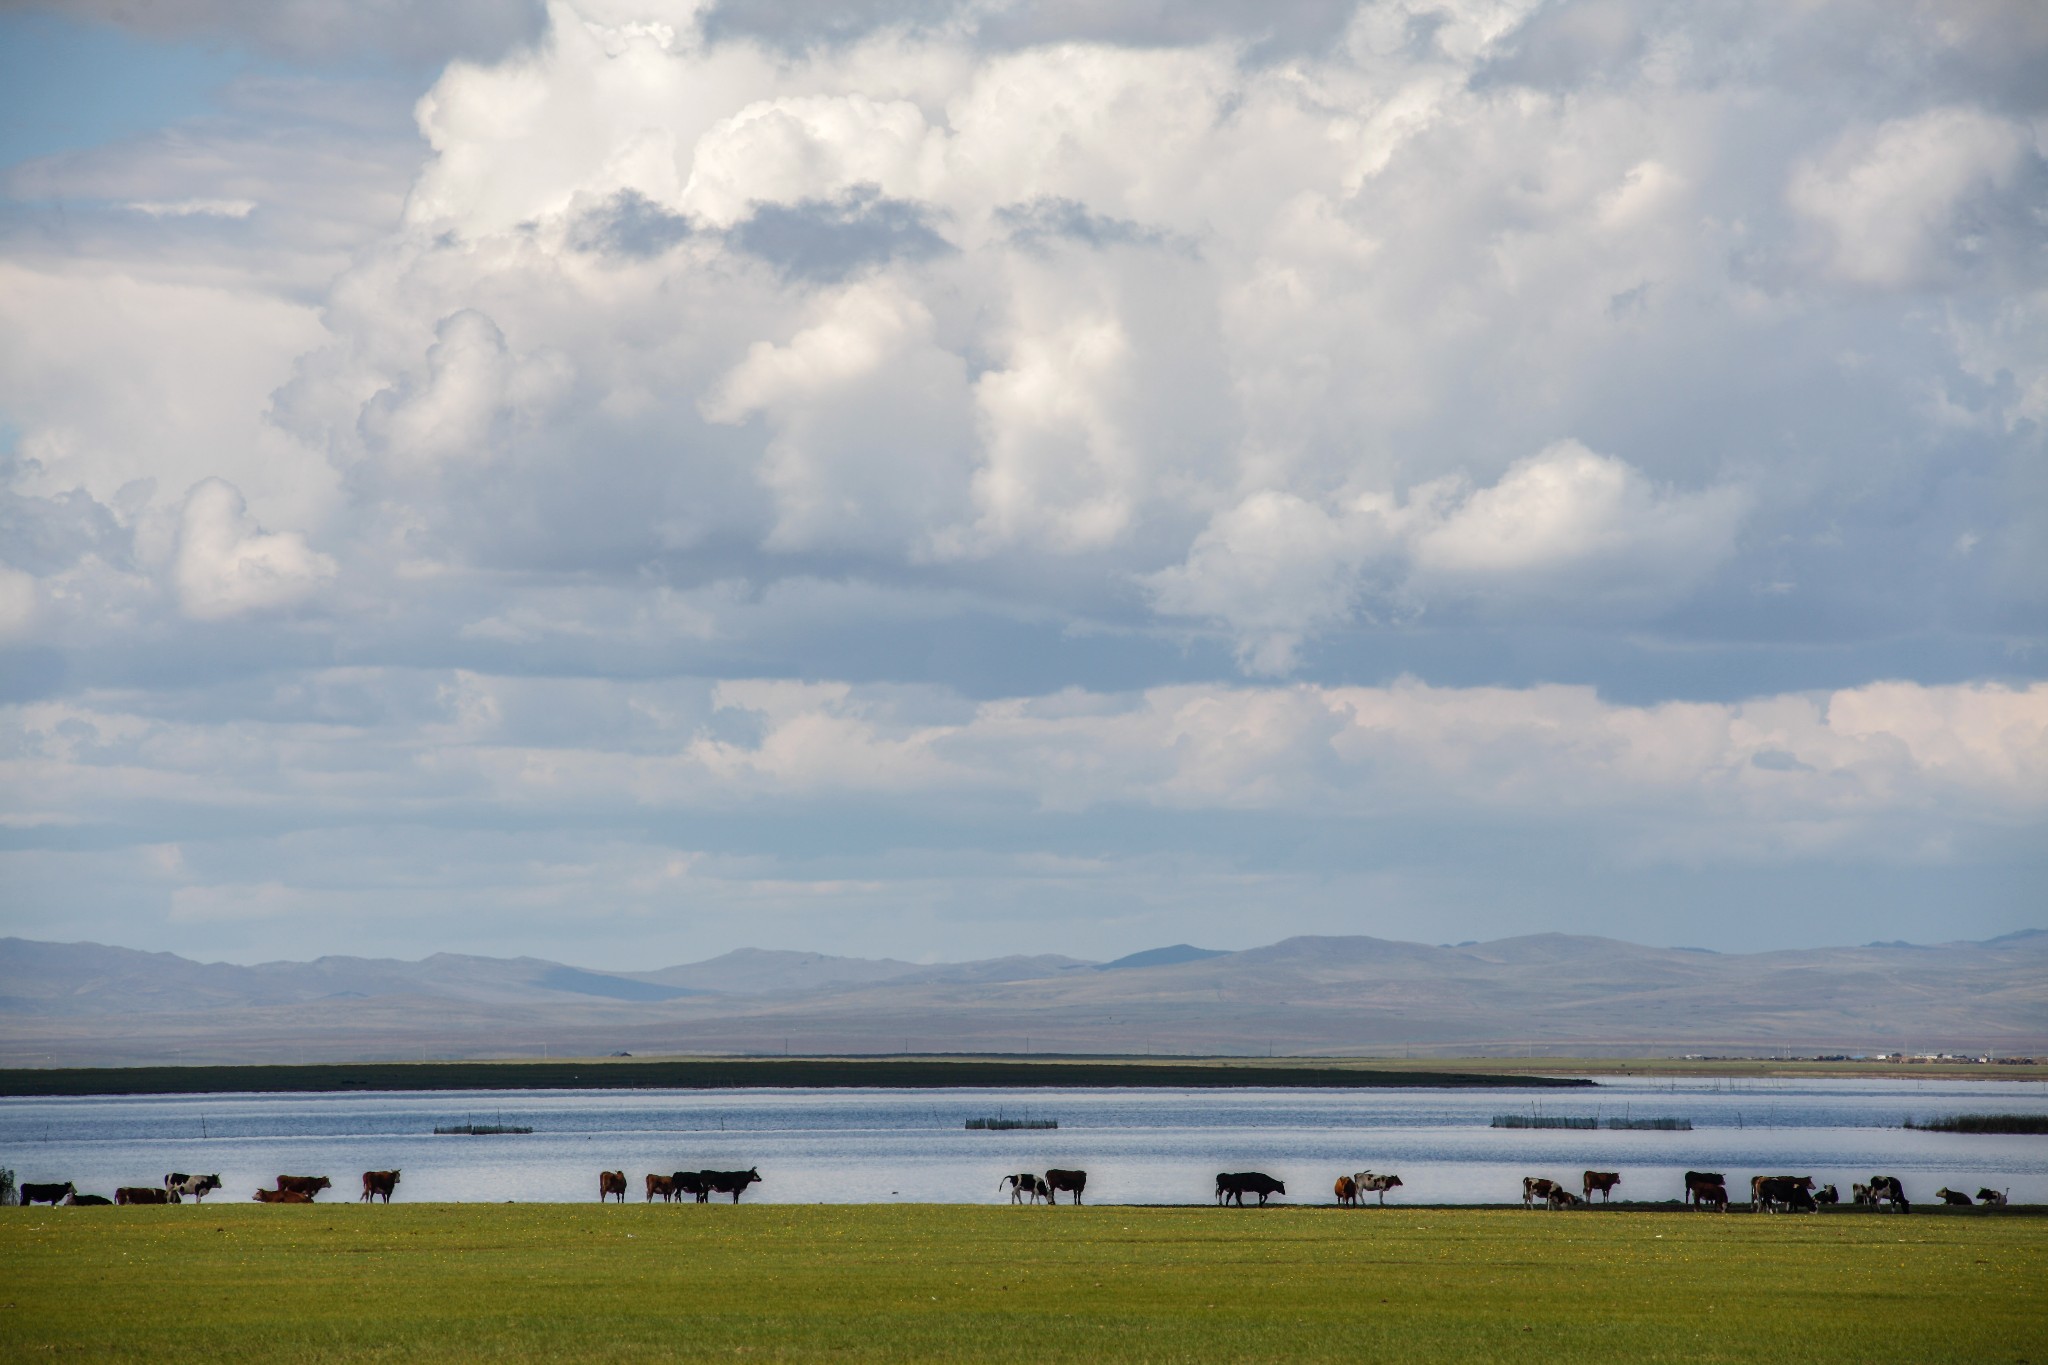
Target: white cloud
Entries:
(227, 565)
(1886, 197)
(1567, 529)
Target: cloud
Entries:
(1565, 530)
(228, 565)
(1887, 199)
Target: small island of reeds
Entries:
(1630, 1125)
(1002, 1125)
(1984, 1123)
(479, 1129)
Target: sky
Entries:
(623, 480)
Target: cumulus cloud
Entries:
(227, 565)
(1088, 356)
(1581, 533)
(1888, 199)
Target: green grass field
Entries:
(761, 1281)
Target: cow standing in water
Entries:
(611, 1184)
(1073, 1181)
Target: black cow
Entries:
(88, 1199)
(690, 1183)
(1235, 1185)
(1827, 1194)
(726, 1182)
(1955, 1197)
(1698, 1182)
(1770, 1193)
(47, 1194)
(1993, 1198)
(1024, 1187)
(1072, 1181)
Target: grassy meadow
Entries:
(225, 1282)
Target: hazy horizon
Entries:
(623, 480)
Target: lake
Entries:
(1138, 1146)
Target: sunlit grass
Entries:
(553, 1282)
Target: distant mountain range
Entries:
(87, 1004)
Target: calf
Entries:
(610, 1183)
(47, 1194)
(1711, 1197)
(1071, 1181)
(88, 1199)
(195, 1187)
(1604, 1182)
(1827, 1194)
(1562, 1198)
(1236, 1185)
(1347, 1192)
(1992, 1198)
(144, 1194)
(283, 1197)
(663, 1185)
(377, 1183)
(1859, 1193)
(727, 1182)
(1368, 1183)
(308, 1185)
(1955, 1197)
(1696, 1181)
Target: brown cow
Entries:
(1562, 1198)
(144, 1194)
(283, 1197)
(663, 1185)
(376, 1183)
(308, 1185)
(1695, 1181)
(610, 1183)
(1709, 1196)
(1072, 1181)
(1604, 1182)
(1347, 1192)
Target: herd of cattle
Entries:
(1703, 1189)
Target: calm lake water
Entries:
(1138, 1146)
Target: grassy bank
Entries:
(949, 1282)
(725, 1072)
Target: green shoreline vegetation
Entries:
(1984, 1123)
(733, 1072)
(343, 1282)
